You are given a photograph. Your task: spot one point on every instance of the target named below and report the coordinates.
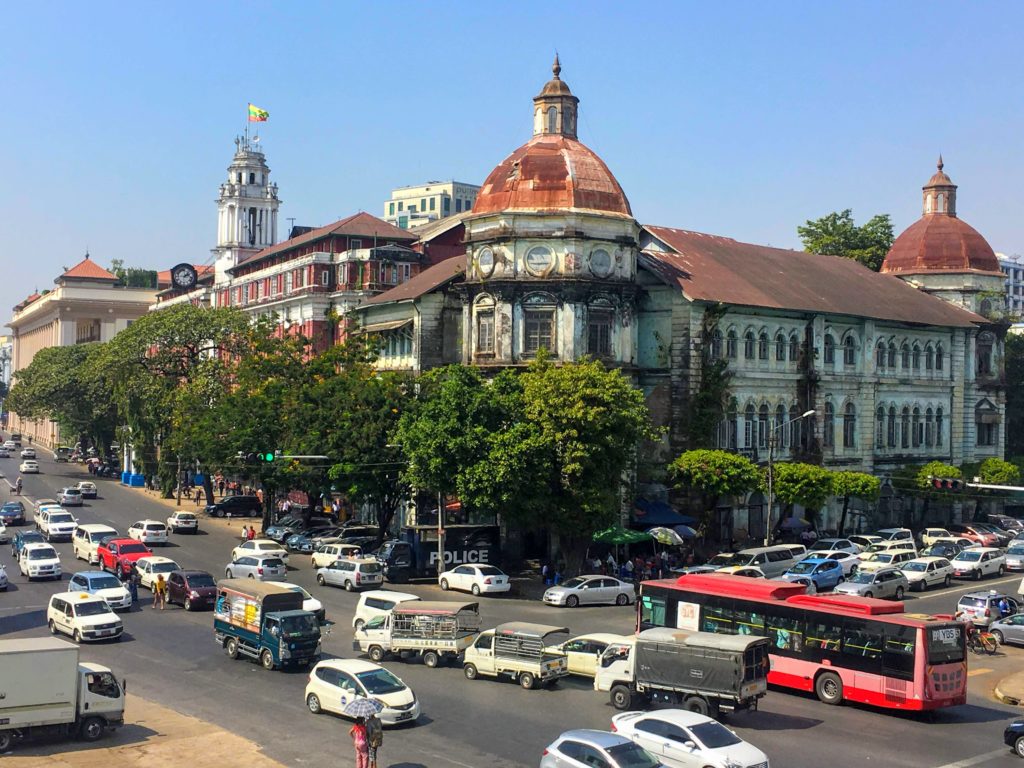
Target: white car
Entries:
(150, 568)
(328, 553)
(28, 453)
(3, 578)
(924, 572)
(10, 445)
(750, 571)
(56, 523)
(590, 590)
(5, 536)
(309, 603)
(682, 739)
(148, 532)
(478, 579)
(29, 467)
(979, 561)
(836, 545)
(70, 497)
(259, 567)
(873, 561)
(4, 453)
(335, 683)
(39, 561)
(183, 521)
(104, 585)
(260, 547)
(88, 489)
(43, 506)
(583, 652)
(930, 535)
(351, 573)
(847, 560)
(378, 602)
(83, 616)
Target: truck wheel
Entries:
(469, 671)
(92, 728)
(526, 680)
(231, 648)
(698, 705)
(829, 688)
(267, 659)
(430, 659)
(622, 697)
(444, 585)
(572, 601)
(76, 636)
(320, 579)
(376, 653)
(5, 741)
(313, 704)
(52, 626)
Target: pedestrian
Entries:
(545, 574)
(362, 747)
(374, 738)
(199, 495)
(159, 591)
(628, 567)
(133, 586)
(252, 533)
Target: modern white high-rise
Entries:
(1013, 268)
(246, 208)
(423, 203)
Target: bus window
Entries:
(898, 654)
(785, 634)
(652, 611)
(719, 619)
(823, 635)
(862, 640)
(748, 622)
(945, 644)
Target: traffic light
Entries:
(266, 456)
(947, 484)
(252, 458)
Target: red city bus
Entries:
(841, 648)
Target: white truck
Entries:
(45, 688)
(519, 650)
(434, 631)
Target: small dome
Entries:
(552, 172)
(940, 243)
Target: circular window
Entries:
(538, 260)
(485, 262)
(600, 262)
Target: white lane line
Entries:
(968, 761)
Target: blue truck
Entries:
(265, 623)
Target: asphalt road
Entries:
(170, 657)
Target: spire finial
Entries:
(940, 161)
(556, 68)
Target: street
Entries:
(170, 657)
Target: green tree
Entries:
(998, 472)
(808, 485)
(919, 479)
(711, 475)
(836, 234)
(849, 485)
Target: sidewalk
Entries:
(152, 735)
(1010, 690)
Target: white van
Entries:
(83, 616)
(87, 540)
(773, 561)
(378, 602)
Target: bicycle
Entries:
(982, 642)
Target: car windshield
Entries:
(65, 518)
(573, 583)
(200, 580)
(44, 553)
(968, 556)
(294, 626)
(631, 756)
(1016, 549)
(165, 567)
(273, 562)
(379, 682)
(971, 602)
(862, 578)
(92, 608)
(13, 507)
(714, 735)
(722, 559)
(915, 566)
(104, 582)
(803, 567)
(186, 516)
(131, 549)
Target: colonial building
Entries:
(898, 367)
(88, 304)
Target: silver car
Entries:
(1015, 556)
(885, 582)
(70, 497)
(259, 567)
(586, 748)
(1009, 630)
(590, 590)
(351, 573)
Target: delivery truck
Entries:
(699, 671)
(265, 623)
(44, 688)
(520, 650)
(434, 631)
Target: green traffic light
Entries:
(268, 456)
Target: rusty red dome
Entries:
(940, 243)
(552, 172)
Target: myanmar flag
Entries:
(257, 115)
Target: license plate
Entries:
(404, 716)
(105, 632)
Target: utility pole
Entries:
(440, 534)
(179, 480)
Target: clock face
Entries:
(538, 260)
(600, 262)
(183, 276)
(485, 262)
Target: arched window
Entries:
(716, 344)
(780, 419)
(929, 428)
(929, 358)
(749, 426)
(780, 348)
(732, 427)
(748, 345)
(849, 351)
(905, 428)
(762, 346)
(984, 354)
(828, 429)
(916, 431)
(762, 426)
(850, 426)
(985, 308)
(730, 344)
(794, 348)
(890, 431)
(905, 356)
(940, 204)
(892, 354)
(938, 428)
(915, 358)
(796, 426)
(939, 362)
(830, 349)
(552, 120)
(880, 355)
(880, 427)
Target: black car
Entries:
(946, 549)
(1013, 737)
(236, 506)
(12, 513)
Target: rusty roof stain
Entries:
(428, 280)
(711, 268)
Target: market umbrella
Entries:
(619, 535)
(795, 522)
(665, 536)
(686, 531)
(362, 707)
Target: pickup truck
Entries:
(44, 688)
(433, 631)
(519, 650)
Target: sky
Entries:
(741, 119)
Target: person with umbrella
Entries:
(361, 708)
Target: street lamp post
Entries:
(771, 471)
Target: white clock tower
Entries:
(246, 209)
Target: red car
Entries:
(119, 555)
(977, 535)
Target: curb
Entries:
(1013, 701)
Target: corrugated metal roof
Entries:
(719, 269)
(425, 282)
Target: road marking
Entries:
(980, 671)
(968, 761)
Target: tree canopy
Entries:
(808, 485)
(849, 485)
(836, 234)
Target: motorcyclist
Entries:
(17, 485)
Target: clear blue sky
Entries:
(742, 119)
